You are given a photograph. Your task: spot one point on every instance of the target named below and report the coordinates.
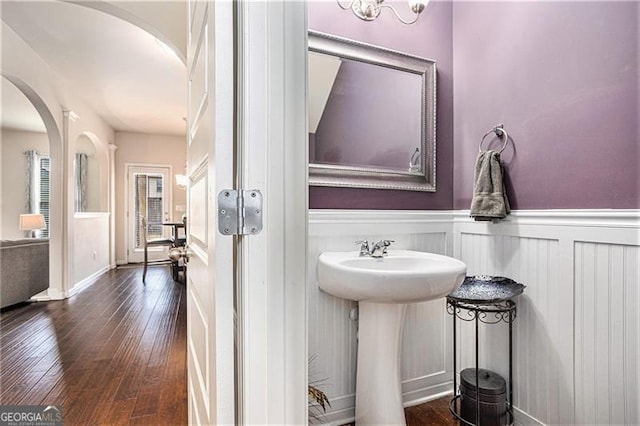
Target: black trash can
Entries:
(493, 397)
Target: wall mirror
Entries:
(372, 120)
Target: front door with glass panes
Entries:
(148, 197)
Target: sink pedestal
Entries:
(378, 386)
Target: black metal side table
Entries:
(483, 299)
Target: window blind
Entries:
(149, 194)
(44, 189)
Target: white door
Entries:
(210, 168)
(246, 298)
(149, 196)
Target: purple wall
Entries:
(312, 147)
(370, 126)
(430, 37)
(563, 78)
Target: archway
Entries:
(92, 173)
(56, 223)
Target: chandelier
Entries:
(369, 10)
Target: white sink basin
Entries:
(403, 276)
(383, 286)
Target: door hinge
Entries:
(239, 212)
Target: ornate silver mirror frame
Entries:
(372, 177)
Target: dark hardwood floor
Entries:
(114, 354)
(434, 413)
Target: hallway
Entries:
(114, 353)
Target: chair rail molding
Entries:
(608, 218)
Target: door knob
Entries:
(177, 253)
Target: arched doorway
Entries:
(47, 138)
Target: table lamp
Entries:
(32, 222)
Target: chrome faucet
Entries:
(378, 249)
(364, 247)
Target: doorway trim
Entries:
(272, 128)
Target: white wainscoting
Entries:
(577, 335)
(607, 357)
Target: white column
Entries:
(112, 205)
(68, 201)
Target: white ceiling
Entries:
(120, 70)
(17, 112)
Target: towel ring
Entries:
(500, 132)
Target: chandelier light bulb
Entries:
(418, 5)
(369, 10)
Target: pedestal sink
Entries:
(384, 286)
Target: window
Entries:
(43, 192)
(39, 187)
(149, 203)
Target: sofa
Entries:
(24, 269)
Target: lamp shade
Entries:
(32, 222)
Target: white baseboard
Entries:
(342, 411)
(42, 296)
(343, 408)
(49, 294)
(427, 394)
(81, 285)
(522, 418)
(56, 294)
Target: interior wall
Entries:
(563, 77)
(91, 254)
(13, 144)
(141, 148)
(430, 37)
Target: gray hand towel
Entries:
(489, 200)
